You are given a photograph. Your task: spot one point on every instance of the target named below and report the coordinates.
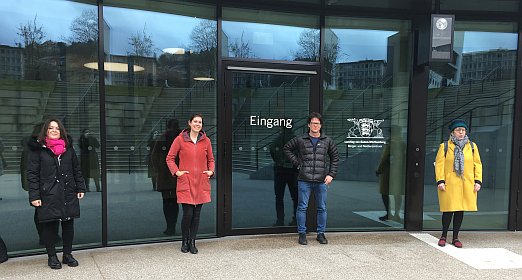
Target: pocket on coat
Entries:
(205, 182)
(183, 183)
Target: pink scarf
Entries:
(56, 145)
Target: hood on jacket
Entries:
(34, 145)
(186, 135)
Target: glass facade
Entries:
(366, 87)
(254, 72)
(479, 87)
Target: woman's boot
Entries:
(192, 246)
(185, 245)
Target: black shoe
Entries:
(185, 245)
(53, 262)
(69, 260)
(192, 246)
(279, 223)
(321, 238)
(384, 218)
(302, 239)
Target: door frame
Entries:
(224, 143)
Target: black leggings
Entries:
(190, 220)
(49, 232)
(457, 222)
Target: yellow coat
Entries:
(459, 194)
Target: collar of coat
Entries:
(34, 145)
(307, 136)
(186, 135)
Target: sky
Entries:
(173, 31)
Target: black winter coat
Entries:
(313, 163)
(55, 182)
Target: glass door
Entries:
(267, 108)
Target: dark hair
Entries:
(194, 116)
(45, 127)
(315, 115)
(83, 131)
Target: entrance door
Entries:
(266, 106)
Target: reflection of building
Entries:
(331, 52)
(11, 62)
(495, 64)
(146, 77)
(360, 74)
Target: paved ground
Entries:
(392, 255)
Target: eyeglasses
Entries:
(315, 123)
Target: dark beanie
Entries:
(457, 123)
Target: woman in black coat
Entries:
(55, 186)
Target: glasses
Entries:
(315, 123)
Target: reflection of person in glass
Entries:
(458, 171)
(391, 172)
(313, 147)
(1, 159)
(151, 172)
(55, 184)
(166, 183)
(89, 159)
(196, 166)
(285, 173)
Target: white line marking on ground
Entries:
(479, 258)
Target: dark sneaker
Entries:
(302, 239)
(321, 238)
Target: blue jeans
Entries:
(304, 190)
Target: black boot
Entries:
(185, 245)
(69, 260)
(54, 263)
(192, 246)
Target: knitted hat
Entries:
(457, 123)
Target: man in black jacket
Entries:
(313, 148)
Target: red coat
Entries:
(194, 187)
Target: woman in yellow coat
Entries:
(459, 177)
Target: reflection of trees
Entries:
(32, 37)
(309, 45)
(240, 48)
(204, 36)
(141, 43)
(85, 27)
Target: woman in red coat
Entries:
(196, 166)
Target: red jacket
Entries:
(194, 187)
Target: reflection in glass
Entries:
(268, 111)
(169, 74)
(270, 35)
(479, 87)
(42, 76)
(366, 87)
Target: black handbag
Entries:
(3, 251)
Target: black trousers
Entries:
(50, 230)
(190, 220)
(457, 222)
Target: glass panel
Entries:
(480, 5)
(270, 35)
(167, 73)
(41, 77)
(478, 87)
(268, 111)
(366, 89)
(395, 4)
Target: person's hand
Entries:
(80, 195)
(328, 179)
(477, 187)
(36, 203)
(209, 173)
(442, 187)
(377, 174)
(181, 173)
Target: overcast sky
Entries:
(171, 31)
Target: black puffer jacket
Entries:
(55, 183)
(312, 164)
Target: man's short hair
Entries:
(315, 115)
